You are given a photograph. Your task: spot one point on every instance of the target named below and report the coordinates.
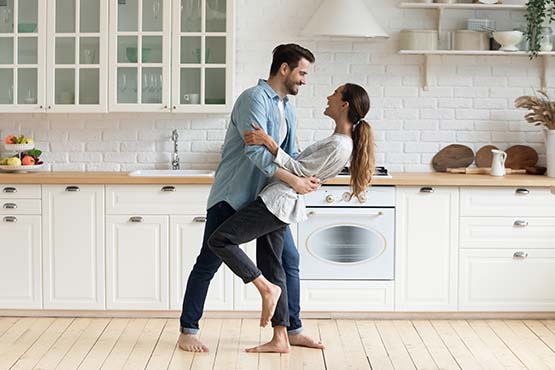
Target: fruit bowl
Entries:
(19, 147)
(7, 168)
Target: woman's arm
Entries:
(260, 137)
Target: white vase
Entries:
(550, 152)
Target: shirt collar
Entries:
(270, 92)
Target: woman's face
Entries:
(336, 105)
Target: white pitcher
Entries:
(498, 163)
(550, 152)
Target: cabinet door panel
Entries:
(427, 249)
(73, 240)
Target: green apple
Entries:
(13, 161)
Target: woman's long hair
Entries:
(362, 159)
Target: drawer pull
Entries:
(199, 219)
(520, 255)
(10, 219)
(10, 206)
(520, 223)
(522, 191)
(168, 188)
(72, 188)
(10, 190)
(427, 189)
(136, 219)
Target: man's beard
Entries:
(290, 87)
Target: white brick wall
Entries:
(470, 100)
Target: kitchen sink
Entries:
(171, 173)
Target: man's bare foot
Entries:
(190, 343)
(273, 346)
(270, 298)
(303, 340)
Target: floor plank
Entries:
(139, 356)
(416, 348)
(102, 348)
(439, 352)
(460, 352)
(121, 351)
(166, 346)
(373, 345)
(268, 361)
(249, 337)
(475, 344)
(210, 336)
(400, 357)
(334, 356)
(302, 358)
(14, 332)
(352, 345)
(6, 323)
(546, 355)
(23, 342)
(42, 345)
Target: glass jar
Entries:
(546, 40)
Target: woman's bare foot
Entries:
(273, 346)
(190, 343)
(303, 340)
(270, 297)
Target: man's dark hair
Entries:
(290, 54)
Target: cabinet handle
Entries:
(10, 219)
(136, 219)
(522, 191)
(427, 189)
(199, 219)
(10, 206)
(73, 188)
(168, 188)
(520, 255)
(10, 190)
(520, 223)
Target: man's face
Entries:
(296, 77)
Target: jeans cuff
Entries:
(188, 330)
(295, 331)
(250, 279)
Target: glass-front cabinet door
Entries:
(202, 55)
(77, 55)
(22, 55)
(140, 55)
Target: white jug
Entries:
(498, 163)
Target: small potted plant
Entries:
(541, 112)
(538, 13)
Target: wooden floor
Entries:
(87, 344)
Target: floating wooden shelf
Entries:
(462, 6)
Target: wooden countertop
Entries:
(401, 179)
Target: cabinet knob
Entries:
(520, 255)
(73, 188)
(10, 190)
(427, 190)
(10, 219)
(41, 107)
(199, 219)
(168, 188)
(10, 206)
(174, 107)
(165, 107)
(522, 191)
(330, 199)
(520, 223)
(136, 219)
(49, 107)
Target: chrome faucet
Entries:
(175, 156)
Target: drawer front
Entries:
(507, 232)
(526, 201)
(156, 199)
(496, 280)
(322, 295)
(8, 191)
(20, 207)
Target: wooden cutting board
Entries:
(453, 156)
(484, 156)
(521, 156)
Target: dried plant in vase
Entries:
(541, 109)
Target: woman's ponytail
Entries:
(363, 159)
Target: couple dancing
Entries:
(258, 190)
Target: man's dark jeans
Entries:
(208, 263)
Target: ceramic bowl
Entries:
(508, 39)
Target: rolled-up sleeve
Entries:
(310, 165)
(253, 110)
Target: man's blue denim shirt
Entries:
(245, 169)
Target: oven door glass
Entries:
(346, 244)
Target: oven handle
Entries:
(314, 213)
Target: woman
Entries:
(278, 205)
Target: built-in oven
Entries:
(346, 239)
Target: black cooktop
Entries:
(379, 171)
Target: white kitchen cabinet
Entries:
(507, 280)
(23, 56)
(137, 271)
(20, 259)
(73, 246)
(186, 233)
(353, 295)
(426, 248)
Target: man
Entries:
(242, 173)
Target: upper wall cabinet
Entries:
(22, 56)
(77, 55)
(140, 55)
(202, 55)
